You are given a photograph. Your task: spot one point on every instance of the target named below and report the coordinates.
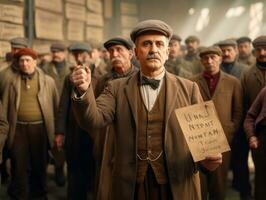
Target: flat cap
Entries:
(80, 46)
(151, 25)
(19, 42)
(57, 47)
(243, 39)
(210, 50)
(118, 41)
(176, 37)
(227, 42)
(192, 38)
(259, 41)
(26, 52)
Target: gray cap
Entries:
(227, 42)
(58, 47)
(176, 37)
(118, 41)
(19, 43)
(192, 38)
(80, 46)
(210, 50)
(151, 25)
(259, 41)
(243, 39)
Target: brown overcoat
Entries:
(48, 99)
(117, 104)
(227, 99)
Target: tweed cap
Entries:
(259, 41)
(19, 42)
(176, 37)
(26, 52)
(80, 46)
(58, 47)
(192, 38)
(210, 50)
(151, 25)
(227, 42)
(118, 41)
(243, 39)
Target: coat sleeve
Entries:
(91, 113)
(196, 96)
(237, 107)
(63, 109)
(253, 113)
(3, 130)
(55, 97)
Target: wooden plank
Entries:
(74, 11)
(11, 13)
(80, 2)
(9, 31)
(129, 21)
(48, 25)
(94, 19)
(75, 30)
(51, 5)
(95, 6)
(128, 8)
(93, 33)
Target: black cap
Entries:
(80, 46)
(58, 47)
(118, 41)
(151, 25)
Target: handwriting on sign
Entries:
(202, 130)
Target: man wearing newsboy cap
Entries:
(151, 157)
(213, 84)
(30, 101)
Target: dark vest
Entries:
(151, 139)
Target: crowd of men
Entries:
(109, 116)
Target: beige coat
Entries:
(48, 99)
(117, 104)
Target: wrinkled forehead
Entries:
(26, 57)
(152, 36)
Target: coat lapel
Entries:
(171, 94)
(219, 84)
(204, 87)
(131, 91)
(16, 85)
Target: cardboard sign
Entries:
(202, 130)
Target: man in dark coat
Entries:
(77, 143)
(252, 81)
(151, 157)
(121, 53)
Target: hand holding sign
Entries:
(202, 130)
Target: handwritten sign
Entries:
(202, 130)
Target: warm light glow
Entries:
(203, 20)
(235, 12)
(191, 11)
(256, 16)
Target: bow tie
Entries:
(151, 82)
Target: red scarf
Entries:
(212, 81)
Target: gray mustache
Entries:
(152, 56)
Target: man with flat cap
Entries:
(5, 76)
(151, 157)
(30, 102)
(253, 80)
(58, 68)
(225, 91)
(192, 43)
(76, 142)
(121, 53)
(239, 146)
(176, 64)
(245, 55)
